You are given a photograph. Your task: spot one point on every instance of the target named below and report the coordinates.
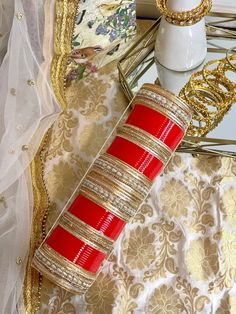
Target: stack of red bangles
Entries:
(113, 190)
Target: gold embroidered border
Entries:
(147, 141)
(65, 12)
(33, 280)
(86, 233)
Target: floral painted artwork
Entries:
(103, 31)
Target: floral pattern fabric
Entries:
(179, 253)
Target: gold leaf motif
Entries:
(129, 290)
(200, 302)
(135, 290)
(101, 295)
(207, 165)
(174, 163)
(60, 303)
(89, 96)
(170, 265)
(144, 212)
(165, 250)
(202, 259)
(92, 138)
(120, 100)
(224, 307)
(227, 305)
(201, 215)
(58, 189)
(228, 205)
(62, 132)
(191, 301)
(175, 198)
(227, 274)
(164, 300)
(138, 248)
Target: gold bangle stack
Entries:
(184, 18)
(210, 93)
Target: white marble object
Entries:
(181, 48)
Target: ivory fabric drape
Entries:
(27, 109)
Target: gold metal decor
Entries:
(209, 90)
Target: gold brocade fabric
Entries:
(179, 253)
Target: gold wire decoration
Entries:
(211, 92)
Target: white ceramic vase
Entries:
(181, 48)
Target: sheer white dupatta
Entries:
(27, 110)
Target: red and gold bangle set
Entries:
(113, 190)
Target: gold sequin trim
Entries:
(24, 147)
(19, 15)
(13, 91)
(31, 82)
(18, 261)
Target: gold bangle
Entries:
(62, 271)
(232, 57)
(201, 94)
(147, 141)
(219, 80)
(166, 103)
(120, 190)
(104, 197)
(118, 169)
(184, 18)
(86, 233)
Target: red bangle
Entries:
(113, 190)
